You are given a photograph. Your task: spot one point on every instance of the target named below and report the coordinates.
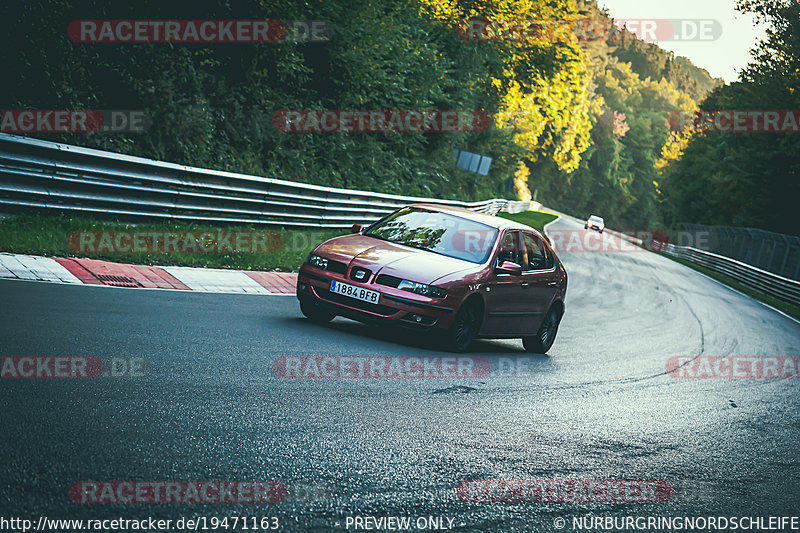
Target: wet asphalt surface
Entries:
(208, 405)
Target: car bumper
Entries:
(394, 307)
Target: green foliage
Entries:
(746, 179)
(587, 118)
(534, 219)
(633, 93)
(48, 235)
(212, 105)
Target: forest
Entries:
(581, 124)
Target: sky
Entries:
(723, 56)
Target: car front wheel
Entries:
(465, 327)
(544, 338)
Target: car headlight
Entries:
(421, 288)
(317, 261)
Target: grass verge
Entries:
(789, 309)
(534, 219)
(48, 235)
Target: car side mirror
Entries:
(507, 267)
(357, 228)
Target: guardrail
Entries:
(784, 289)
(40, 174)
(774, 252)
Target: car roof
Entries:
(489, 220)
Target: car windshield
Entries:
(440, 233)
(596, 219)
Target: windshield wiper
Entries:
(381, 238)
(414, 246)
(377, 237)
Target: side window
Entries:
(510, 249)
(548, 258)
(539, 257)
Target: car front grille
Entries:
(389, 281)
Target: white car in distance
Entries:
(596, 223)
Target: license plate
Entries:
(365, 295)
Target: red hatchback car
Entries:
(455, 271)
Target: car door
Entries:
(538, 283)
(503, 292)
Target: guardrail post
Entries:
(796, 271)
(786, 254)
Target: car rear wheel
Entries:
(316, 314)
(465, 327)
(544, 338)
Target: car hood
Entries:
(382, 257)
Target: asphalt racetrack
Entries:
(206, 404)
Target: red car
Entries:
(455, 271)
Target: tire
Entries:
(601, 231)
(316, 314)
(544, 338)
(465, 327)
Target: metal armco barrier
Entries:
(784, 289)
(774, 252)
(36, 174)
